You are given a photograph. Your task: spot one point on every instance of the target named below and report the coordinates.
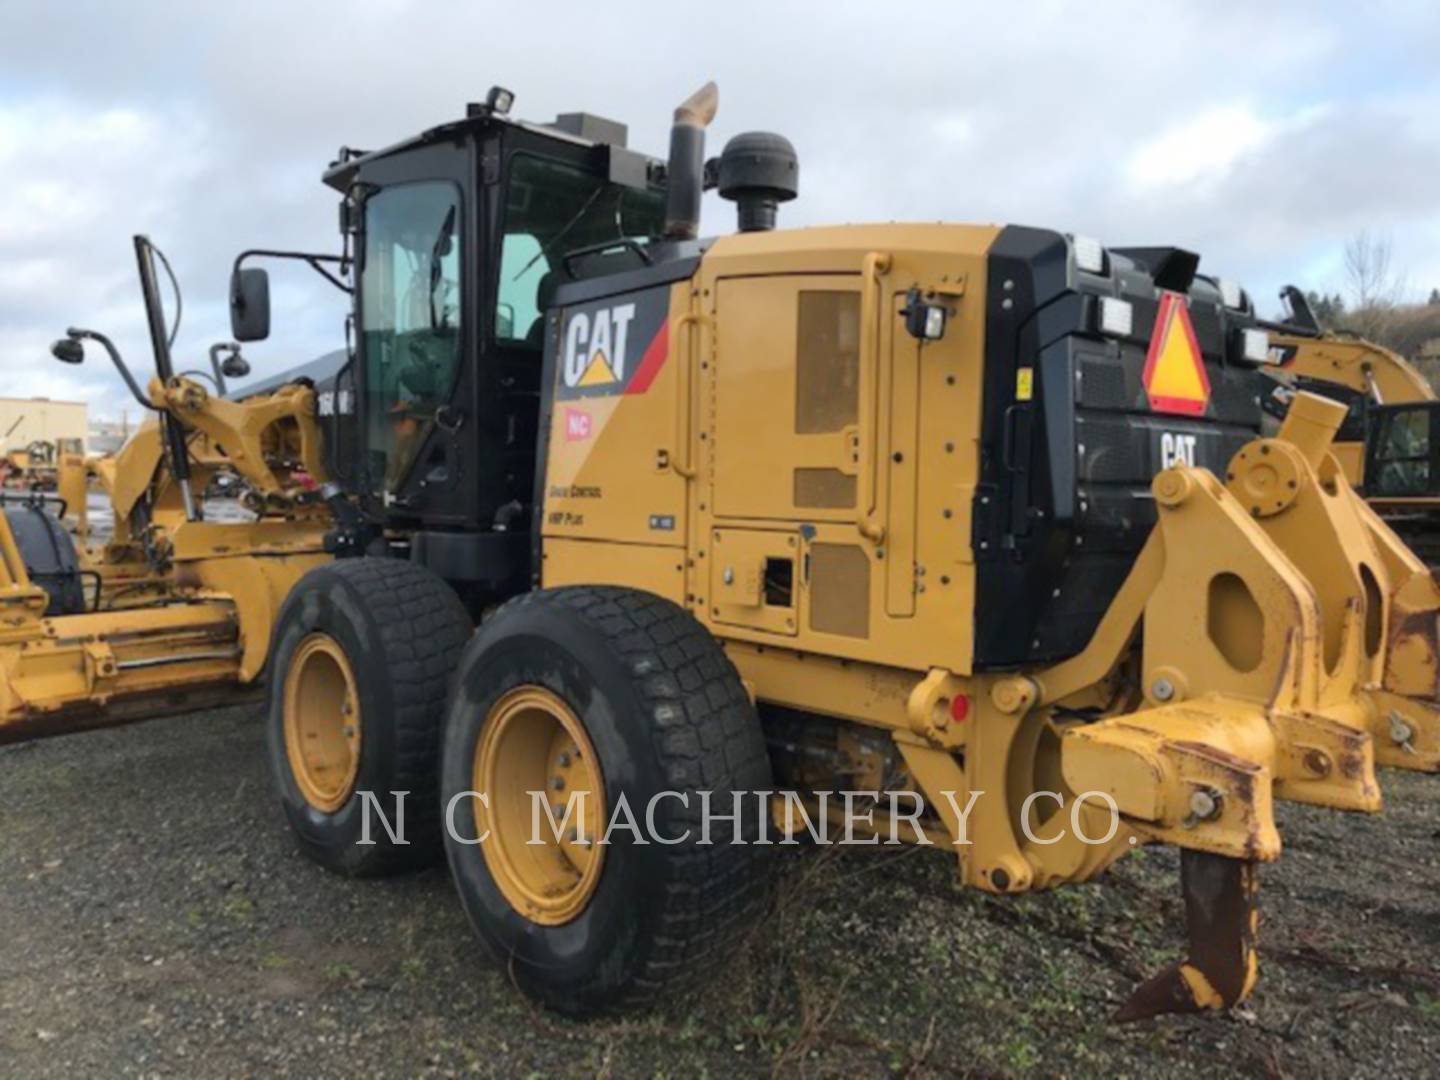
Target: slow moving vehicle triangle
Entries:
(1174, 377)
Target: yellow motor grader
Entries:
(976, 522)
(172, 612)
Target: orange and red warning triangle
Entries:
(1175, 378)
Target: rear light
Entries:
(1255, 346)
(1231, 294)
(1117, 317)
(959, 708)
(1089, 254)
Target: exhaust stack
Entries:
(686, 169)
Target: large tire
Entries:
(664, 710)
(381, 637)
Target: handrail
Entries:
(686, 360)
(876, 265)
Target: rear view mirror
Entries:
(250, 305)
(235, 366)
(68, 351)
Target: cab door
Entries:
(416, 319)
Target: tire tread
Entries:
(705, 732)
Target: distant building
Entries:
(108, 436)
(26, 420)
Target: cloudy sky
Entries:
(1261, 135)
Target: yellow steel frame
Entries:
(194, 629)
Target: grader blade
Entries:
(1220, 968)
(73, 659)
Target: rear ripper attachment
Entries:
(1268, 669)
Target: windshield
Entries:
(551, 209)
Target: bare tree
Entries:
(1375, 288)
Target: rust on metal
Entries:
(1221, 917)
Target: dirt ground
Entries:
(155, 921)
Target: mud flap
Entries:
(1219, 969)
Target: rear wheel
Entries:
(361, 662)
(615, 707)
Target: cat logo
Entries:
(595, 346)
(1176, 449)
(1175, 378)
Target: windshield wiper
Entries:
(442, 241)
(561, 234)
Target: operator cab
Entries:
(456, 242)
(1401, 444)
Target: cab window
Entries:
(552, 209)
(410, 320)
(1404, 454)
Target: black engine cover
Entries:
(1064, 504)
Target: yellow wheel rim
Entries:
(533, 741)
(322, 723)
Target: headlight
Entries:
(500, 100)
(924, 321)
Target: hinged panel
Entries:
(753, 579)
(786, 381)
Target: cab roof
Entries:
(578, 128)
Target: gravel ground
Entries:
(157, 922)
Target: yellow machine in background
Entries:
(975, 521)
(1389, 442)
(172, 612)
(34, 468)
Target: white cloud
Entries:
(207, 127)
(1201, 149)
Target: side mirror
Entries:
(68, 351)
(250, 305)
(235, 366)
